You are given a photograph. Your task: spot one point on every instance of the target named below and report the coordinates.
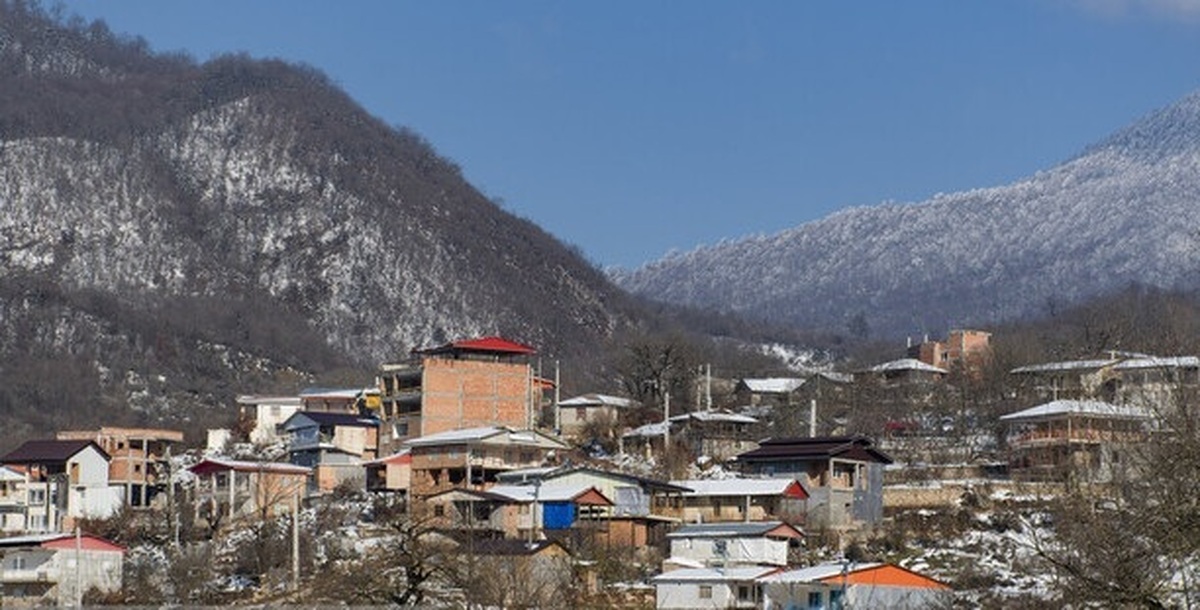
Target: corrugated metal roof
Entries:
(598, 400)
(773, 385)
(1070, 365)
(906, 364)
(486, 433)
(1090, 408)
(463, 435)
(716, 416)
(1154, 362)
(736, 487)
(328, 418)
(544, 493)
(850, 447)
(219, 465)
(734, 529)
(715, 575)
(819, 572)
(341, 393)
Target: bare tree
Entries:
(1137, 542)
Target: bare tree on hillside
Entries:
(1136, 543)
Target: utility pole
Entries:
(666, 422)
(296, 541)
(812, 417)
(78, 566)
(557, 399)
(708, 386)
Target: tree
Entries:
(650, 367)
(1136, 543)
(408, 564)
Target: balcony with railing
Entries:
(1044, 436)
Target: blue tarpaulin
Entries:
(558, 515)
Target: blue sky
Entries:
(631, 128)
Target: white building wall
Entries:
(743, 551)
(686, 596)
(95, 502)
(88, 468)
(94, 569)
(267, 419)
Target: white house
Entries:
(57, 569)
(267, 413)
(733, 544)
(741, 499)
(697, 588)
(12, 500)
(64, 481)
(574, 413)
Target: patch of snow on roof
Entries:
(735, 487)
(1093, 408)
(1071, 365)
(598, 400)
(655, 429)
(541, 493)
(906, 364)
(1153, 362)
(456, 436)
(774, 385)
(716, 416)
(819, 572)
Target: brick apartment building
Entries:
(464, 384)
(968, 349)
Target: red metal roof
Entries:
(496, 345)
(211, 465)
(87, 542)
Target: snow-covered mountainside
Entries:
(192, 222)
(1123, 211)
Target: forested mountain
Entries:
(1123, 211)
(173, 233)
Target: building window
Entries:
(745, 593)
(37, 497)
(814, 600)
(19, 562)
(705, 591)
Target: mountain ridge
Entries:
(1096, 222)
(176, 233)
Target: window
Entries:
(745, 593)
(705, 591)
(439, 510)
(37, 497)
(814, 600)
(18, 562)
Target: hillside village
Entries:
(464, 461)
